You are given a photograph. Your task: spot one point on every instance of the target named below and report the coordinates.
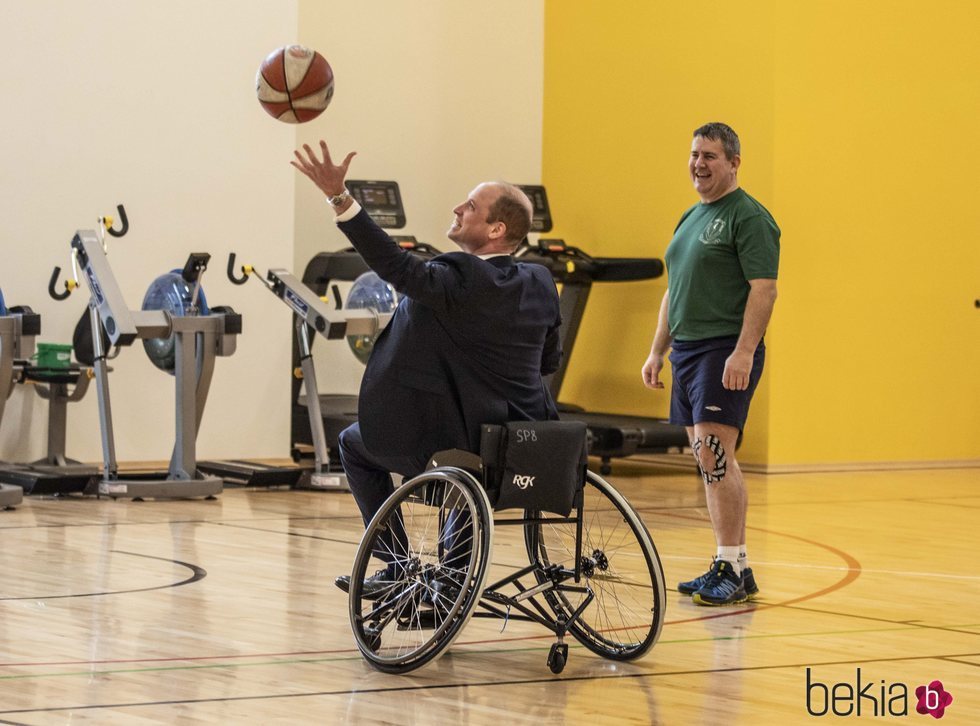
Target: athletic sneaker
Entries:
(723, 587)
(748, 581)
(692, 586)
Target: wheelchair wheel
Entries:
(441, 564)
(621, 567)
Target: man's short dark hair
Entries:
(725, 134)
(513, 208)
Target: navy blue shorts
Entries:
(697, 395)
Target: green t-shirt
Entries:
(716, 249)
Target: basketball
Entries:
(294, 84)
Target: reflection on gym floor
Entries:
(225, 611)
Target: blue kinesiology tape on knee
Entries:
(721, 460)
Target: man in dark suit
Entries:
(472, 337)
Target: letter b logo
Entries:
(823, 696)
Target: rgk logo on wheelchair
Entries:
(523, 481)
(592, 571)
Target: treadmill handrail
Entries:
(570, 263)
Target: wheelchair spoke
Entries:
(619, 565)
(430, 529)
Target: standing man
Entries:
(468, 345)
(721, 265)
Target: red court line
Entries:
(854, 571)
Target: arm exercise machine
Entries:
(311, 316)
(17, 331)
(382, 201)
(54, 474)
(198, 340)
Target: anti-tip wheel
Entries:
(558, 657)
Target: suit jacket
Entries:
(468, 344)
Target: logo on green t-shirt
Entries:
(711, 235)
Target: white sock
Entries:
(730, 555)
(743, 559)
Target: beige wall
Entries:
(438, 95)
(153, 105)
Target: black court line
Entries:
(872, 618)
(197, 573)
(961, 662)
(288, 534)
(494, 684)
(957, 505)
(352, 543)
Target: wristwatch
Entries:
(338, 199)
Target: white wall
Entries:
(437, 95)
(152, 104)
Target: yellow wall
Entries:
(858, 133)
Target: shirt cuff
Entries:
(349, 213)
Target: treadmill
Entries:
(612, 435)
(382, 201)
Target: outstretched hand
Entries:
(328, 177)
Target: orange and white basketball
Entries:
(294, 84)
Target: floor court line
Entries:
(837, 568)
(493, 684)
(918, 624)
(316, 656)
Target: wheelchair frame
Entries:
(569, 589)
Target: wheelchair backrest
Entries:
(536, 465)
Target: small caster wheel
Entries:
(605, 469)
(558, 657)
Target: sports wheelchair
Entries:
(593, 570)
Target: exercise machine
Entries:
(613, 435)
(59, 384)
(382, 200)
(17, 332)
(55, 473)
(56, 379)
(311, 316)
(188, 342)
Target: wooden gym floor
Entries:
(120, 612)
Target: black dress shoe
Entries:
(433, 609)
(440, 592)
(375, 587)
(420, 619)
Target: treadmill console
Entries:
(541, 217)
(381, 200)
